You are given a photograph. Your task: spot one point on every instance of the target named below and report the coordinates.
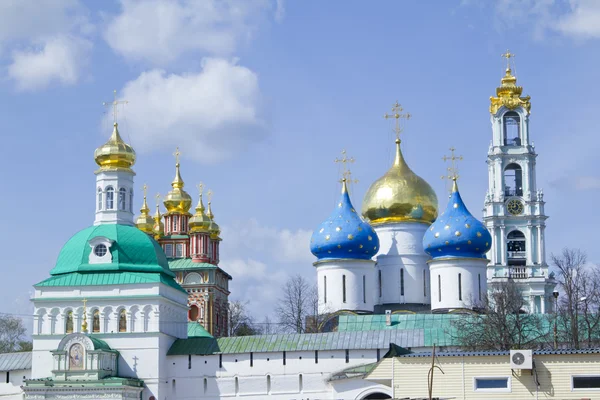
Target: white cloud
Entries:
(587, 183)
(45, 40)
(161, 31)
(279, 11)
(261, 258)
(59, 59)
(212, 114)
(582, 21)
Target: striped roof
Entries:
(15, 361)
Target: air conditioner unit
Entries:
(521, 359)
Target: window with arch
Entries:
(110, 198)
(268, 384)
(325, 289)
(194, 312)
(515, 247)
(122, 321)
(175, 222)
(69, 322)
(511, 123)
(96, 321)
(122, 199)
(99, 199)
(460, 286)
(344, 288)
(513, 180)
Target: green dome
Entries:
(132, 250)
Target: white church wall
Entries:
(463, 282)
(358, 278)
(401, 248)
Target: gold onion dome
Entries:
(199, 222)
(115, 154)
(400, 196)
(145, 222)
(159, 226)
(508, 94)
(177, 201)
(213, 228)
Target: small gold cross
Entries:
(397, 115)
(209, 194)
(508, 56)
(200, 187)
(115, 103)
(157, 197)
(453, 168)
(177, 154)
(145, 188)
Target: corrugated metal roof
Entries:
(15, 361)
(297, 342)
(500, 353)
(108, 278)
(176, 264)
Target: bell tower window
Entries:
(110, 198)
(122, 196)
(513, 180)
(515, 247)
(512, 129)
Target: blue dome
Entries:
(456, 233)
(344, 234)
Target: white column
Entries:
(499, 183)
(494, 245)
(503, 244)
(526, 180)
(543, 304)
(529, 245)
(542, 249)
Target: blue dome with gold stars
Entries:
(456, 233)
(344, 234)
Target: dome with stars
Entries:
(456, 233)
(345, 234)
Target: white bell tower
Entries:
(514, 206)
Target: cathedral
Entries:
(137, 307)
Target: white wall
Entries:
(356, 272)
(401, 248)
(473, 281)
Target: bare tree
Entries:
(502, 324)
(294, 305)
(12, 332)
(588, 304)
(572, 278)
(240, 321)
(268, 327)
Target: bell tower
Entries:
(514, 205)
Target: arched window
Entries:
(96, 321)
(110, 198)
(344, 288)
(513, 180)
(122, 197)
(268, 384)
(122, 321)
(99, 199)
(515, 247)
(460, 287)
(69, 322)
(512, 129)
(325, 289)
(175, 222)
(194, 313)
(131, 200)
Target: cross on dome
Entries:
(177, 154)
(346, 174)
(453, 168)
(397, 115)
(508, 56)
(145, 189)
(115, 103)
(157, 197)
(200, 187)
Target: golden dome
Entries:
(145, 222)
(200, 221)
(115, 154)
(400, 196)
(177, 201)
(508, 94)
(213, 228)
(159, 226)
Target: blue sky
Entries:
(262, 96)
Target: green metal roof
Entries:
(435, 328)
(99, 344)
(298, 342)
(176, 237)
(195, 329)
(108, 278)
(132, 250)
(15, 361)
(177, 264)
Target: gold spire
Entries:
(115, 154)
(159, 226)
(213, 227)
(145, 222)
(177, 201)
(199, 222)
(452, 169)
(84, 325)
(400, 195)
(508, 94)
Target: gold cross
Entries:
(200, 187)
(177, 154)
(209, 194)
(115, 103)
(452, 169)
(397, 115)
(508, 56)
(157, 197)
(345, 161)
(145, 188)
(347, 176)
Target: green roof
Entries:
(108, 278)
(99, 344)
(177, 264)
(132, 250)
(176, 237)
(435, 328)
(195, 329)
